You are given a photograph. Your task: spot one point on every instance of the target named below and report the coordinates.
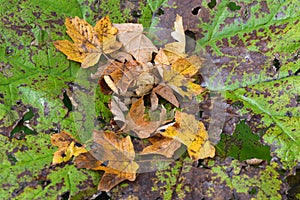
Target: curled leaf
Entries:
(176, 50)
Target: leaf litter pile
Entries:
(151, 92)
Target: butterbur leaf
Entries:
(112, 154)
(161, 145)
(89, 43)
(138, 122)
(191, 133)
(135, 42)
(67, 147)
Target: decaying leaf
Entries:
(112, 154)
(135, 42)
(191, 133)
(67, 147)
(140, 123)
(89, 43)
(162, 145)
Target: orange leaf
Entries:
(138, 122)
(112, 154)
(162, 145)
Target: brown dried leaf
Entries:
(112, 154)
(163, 146)
(135, 42)
(139, 123)
(166, 93)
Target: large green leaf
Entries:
(228, 179)
(27, 173)
(37, 97)
(276, 105)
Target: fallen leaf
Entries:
(180, 84)
(185, 67)
(135, 42)
(118, 108)
(191, 133)
(161, 58)
(89, 43)
(176, 50)
(161, 145)
(122, 76)
(110, 178)
(138, 122)
(166, 93)
(112, 154)
(67, 147)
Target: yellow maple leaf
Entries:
(114, 155)
(191, 133)
(180, 84)
(67, 147)
(89, 42)
(188, 67)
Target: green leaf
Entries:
(243, 145)
(27, 173)
(244, 43)
(36, 83)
